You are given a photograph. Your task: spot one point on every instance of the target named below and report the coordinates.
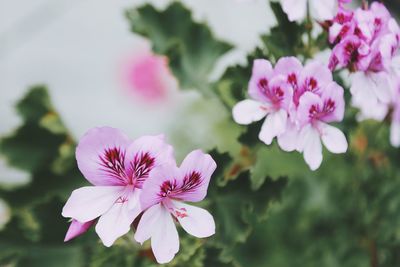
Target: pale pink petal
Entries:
(196, 221)
(88, 203)
(261, 74)
(144, 154)
(274, 125)
(116, 221)
(100, 156)
(295, 9)
(333, 93)
(333, 139)
(288, 140)
(148, 223)
(196, 170)
(160, 184)
(248, 111)
(308, 101)
(395, 134)
(315, 77)
(288, 65)
(165, 239)
(77, 228)
(323, 9)
(310, 145)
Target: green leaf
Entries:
(285, 38)
(237, 207)
(190, 46)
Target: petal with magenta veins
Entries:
(143, 155)
(100, 156)
(261, 74)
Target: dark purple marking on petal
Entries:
(140, 168)
(112, 162)
(191, 182)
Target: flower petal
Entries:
(333, 139)
(144, 154)
(148, 223)
(395, 134)
(334, 92)
(117, 221)
(323, 9)
(311, 146)
(161, 181)
(196, 170)
(77, 228)
(274, 125)
(197, 221)
(100, 156)
(288, 140)
(88, 203)
(295, 9)
(165, 239)
(248, 111)
(262, 72)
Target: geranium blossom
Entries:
(163, 195)
(366, 41)
(117, 167)
(297, 102)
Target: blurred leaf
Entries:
(190, 46)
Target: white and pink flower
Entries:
(367, 41)
(297, 102)
(117, 167)
(162, 198)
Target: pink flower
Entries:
(319, 9)
(148, 76)
(297, 102)
(162, 198)
(76, 228)
(117, 168)
(272, 96)
(314, 113)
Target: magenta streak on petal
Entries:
(191, 183)
(112, 162)
(175, 212)
(274, 94)
(316, 114)
(140, 168)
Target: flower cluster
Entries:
(367, 41)
(298, 103)
(130, 178)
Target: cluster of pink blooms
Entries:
(140, 177)
(367, 41)
(298, 103)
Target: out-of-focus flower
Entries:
(11, 177)
(147, 75)
(5, 214)
(395, 127)
(117, 168)
(319, 9)
(366, 42)
(298, 102)
(163, 195)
